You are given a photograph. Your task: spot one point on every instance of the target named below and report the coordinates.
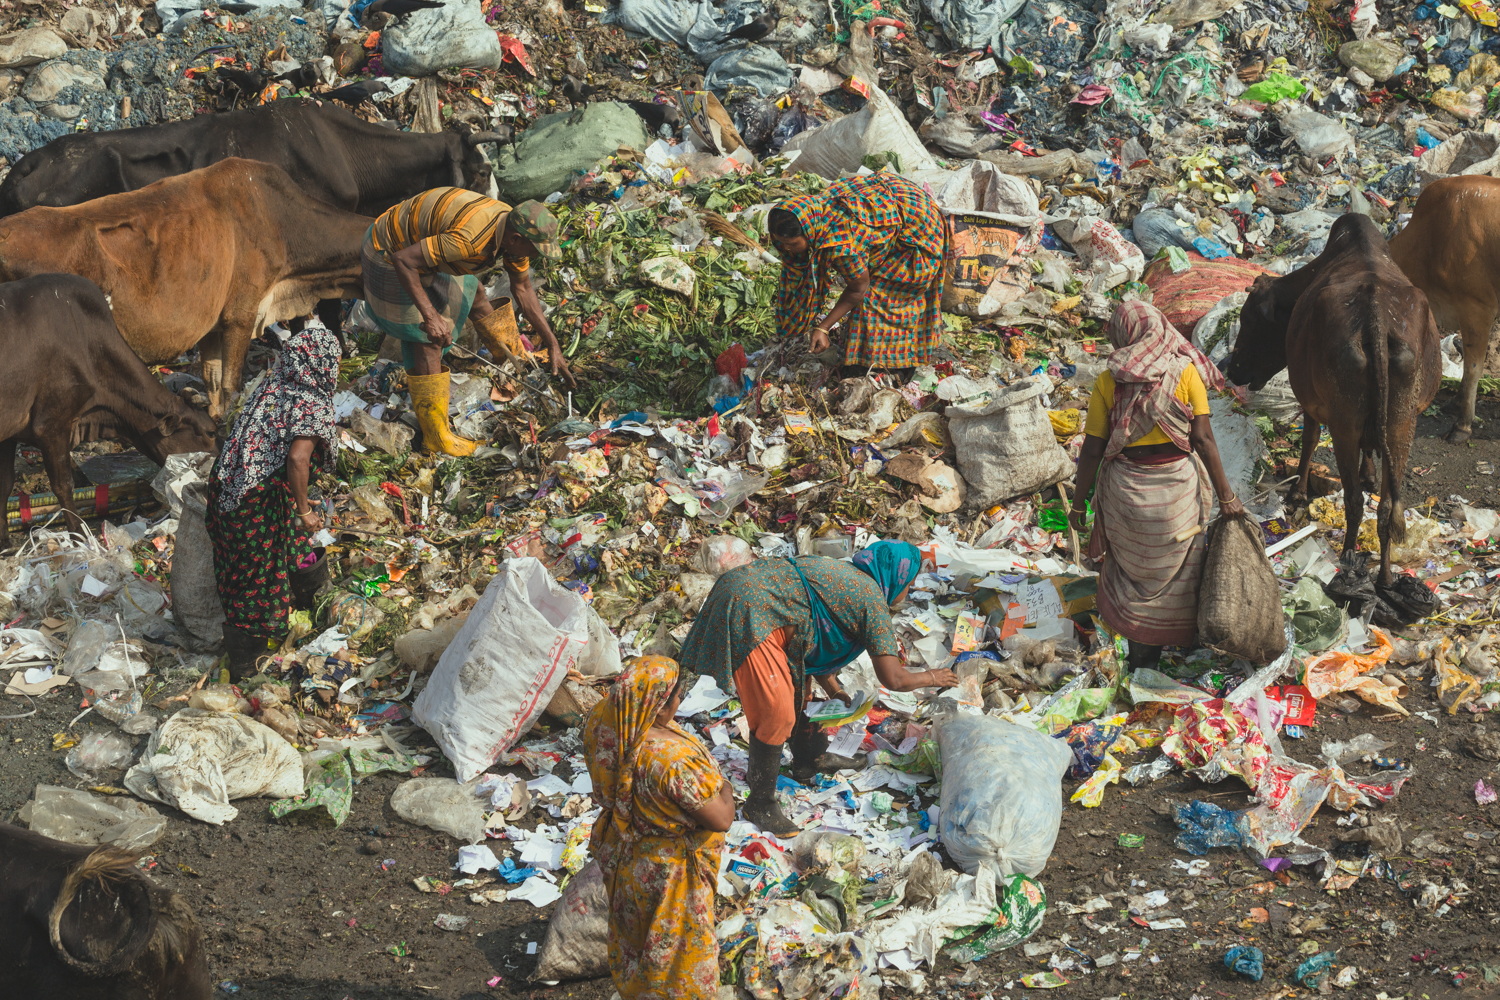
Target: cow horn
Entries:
(107, 864)
(478, 137)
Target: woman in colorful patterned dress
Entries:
(768, 627)
(258, 512)
(658, 841)
(887, 239)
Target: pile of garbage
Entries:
(1084, 156)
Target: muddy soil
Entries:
(296, 913)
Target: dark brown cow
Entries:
(1361, 349)
(215, 255)
(69, 377)
(1451, 251)
(82, 923)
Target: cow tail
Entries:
(107, 864)
(1390, 486)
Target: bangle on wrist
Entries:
(1231, 498)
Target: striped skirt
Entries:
(1148, 581)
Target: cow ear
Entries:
(169, 424)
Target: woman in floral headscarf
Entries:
(658, 841)
(259, 516)
(887, 239)
(767, 628)
(1148, 425)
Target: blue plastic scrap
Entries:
(1205, 825)
(1247, 961)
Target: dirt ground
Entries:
(305, 914)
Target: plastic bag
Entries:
(423, 42)
(1317, 135)
(74, 816)
(199, 761)
(577, 941)
(1337, 670)
(441, 804)
(1274, 87)
(392, 438)
(504, 666)
(840, 146)
(96, 752)
(1006, 447)
(196, 607)
(1002, 794)
(328, 797)
(720, 554)
(1239, 602)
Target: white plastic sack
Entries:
(1006, 447)
(601, 657)
(841, 146)
(1002, 794)
(505, 665)
(426, 41)
(199, 761)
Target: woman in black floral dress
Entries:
(259, 516)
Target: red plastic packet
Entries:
(1300, 705)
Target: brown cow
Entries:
(1361, 350)
(215, 256)
(69, 377)
(83, 923)
(1451, 251)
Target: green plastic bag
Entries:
(1276, 87)
(328, 799)
(1316, 621)
(1020, 907)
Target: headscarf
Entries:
(893, 566)
(293, 399)
(613, 736)
(1147, 363)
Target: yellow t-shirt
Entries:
(1190, 389)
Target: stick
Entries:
(1187, 533)
(1062, 491)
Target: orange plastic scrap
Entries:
(1336, 671)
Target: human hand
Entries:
(938, 678)
(560, 363)
(1078, 519)
(819, 341)
(1232, 508)
(312, 520)
(439, 330)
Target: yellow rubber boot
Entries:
(499, 332)
(429, 397)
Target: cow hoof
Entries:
(1458, 436)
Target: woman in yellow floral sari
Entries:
(666, 807)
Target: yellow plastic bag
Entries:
(1065, 423)
(1091, 792)
(1455, 686)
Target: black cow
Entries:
(83, 923)
(332, 155)
(70, 377)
